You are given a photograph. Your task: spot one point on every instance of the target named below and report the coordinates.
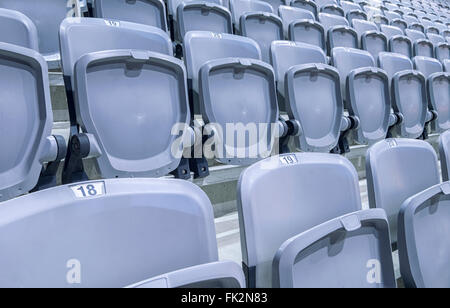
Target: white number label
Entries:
(112, 23)
(89, 190)
(288, 160)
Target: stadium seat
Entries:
(447, 65)
(444, 153)
(351, 251)
(417, 26)
(422, 243)
(398, 43)
(308, 5)
(284, 196)
(332, 9)
(408, 93)
(432, 30)
(390, 15)
(399, 23)
(421, 45)
(414, 164)
(21, 31)
(303, 76)
(307, 31)
(225, 274)
(365, 90)
(201, 16)
(26, 124)
(291, 14)
(221, 64)
(438, 84)
(138, 227)
(239, 7)
(264, 28)
(348, 6)
(370, 38)
(356, 14)
(147, 12)
(47, 15)
(339, 33)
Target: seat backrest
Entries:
(202, 16)
(289, 14)
(392, 15)
(329, 20)
(47, 15)
(348, 59)
(240, 7)
(333, 9)
(348, 251)
(399, 23)
(138, 227)
(447, 65)
(348, 6)
(309, 5)
(147, 12)
(21, 31)
(26, 118)
(414, 34)
(414, 163)
(362, 26)
(103, 82)
(172, 5)
(423, 220)
(393, 63)
(416, 26)
(316, 187)
(444, 154)
(264, 28)
(390, 31)
(307, 31)
(427, 66)
(285, 54)
(432, 30)
(435, 38)
(79, 36)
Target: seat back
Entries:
(348, 251)
(442, 51)
(264, 28)
(374, 43)
(393, 63)
(309, 5)
(21, 30)
(362, 26)
(446, 65)
(26, 119)
(289, 14)
(414, 164)
(329, 20)
(399, 23)
(147, 12)
(427, 65)
(332, 9)
(239, 7)
(390, 31)
(319, 187)
(423, 220)
(417, 27)
(138, 227)
(307, 31)
(438, 87)
(172, 5)
(444, 153)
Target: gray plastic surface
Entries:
(172, 5)
(442, 51)
(438, 86)
(313, 92)
(285, 54)
(203, 16)
(26, 119)
(333, 9)
(289, 14)
(140, 228)
(348, 59)
(351, 251)
(118, 92)
(423, 246)
(18, 29)
(393, 63)
(399, 23)
(357, 14)
(427, 65)
(390, 31)
(277, 201)
(147, 12)
(239, 92)
(47, 15)
(435, 38)
(401, 44)
(240, 7)
(446, 65)
(342, 36)
(80, 36)
(348, 6)
(414, 34)
(444, 154)
(417, 26)
(328, 21)
(309, 5)
(307, 31)
(223, 274)
(264, 28)
(414, 163)
(368, 99)
(374, 42)
(362, 26)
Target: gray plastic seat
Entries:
(408, 93)
(264, 28)
(417, 27)
(379, 19)
(351, 251)
(332, 9)
(223, 274)
(339, 34)
(398, 43)
(139, 227)
(442, 51)
(421, 45)
(390, 15)
(172, 5)
(399, 23)
(26, 122)
(423, 246)
(21, 31)
(446, 65)
(308, 5)
(202, 16)
(414, 163)
(444, 153)
(319, 187)
(432, 30)
(291, 14)
(240, 7)
(366, 90)
(370, 38)
(147, 12)
(46, 15)
(348, 6)
(307, 31)
(356, 14)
